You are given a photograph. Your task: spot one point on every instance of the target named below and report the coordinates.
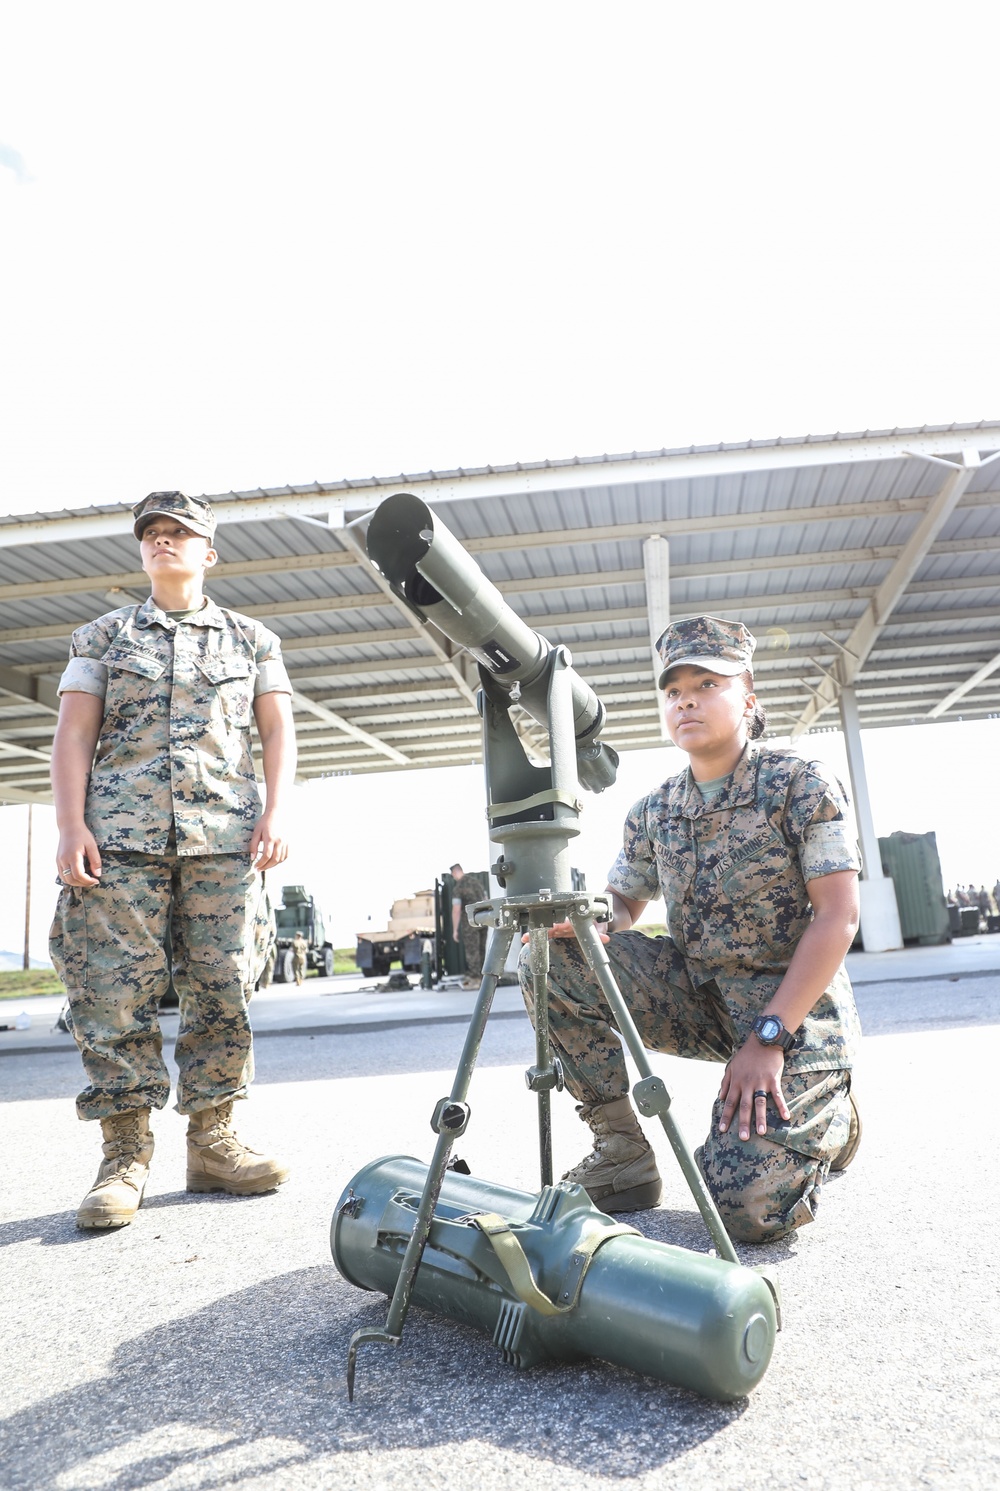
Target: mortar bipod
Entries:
(451, 1115)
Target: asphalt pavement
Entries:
(205, 1345)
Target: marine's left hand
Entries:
(267, 847)
(753, 1069)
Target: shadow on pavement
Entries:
(263, 1371)
(59, 1228)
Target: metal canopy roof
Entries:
(869, 559)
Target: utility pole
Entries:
(27, 897)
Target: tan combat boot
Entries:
(620, 1173)
(116, 1194)
(850, 1149)
(217, 1161)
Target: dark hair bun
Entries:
(758, 722)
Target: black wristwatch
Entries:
(770, 1031)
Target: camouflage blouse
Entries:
(174, 751)
(733, 872)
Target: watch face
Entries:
(770, 1028)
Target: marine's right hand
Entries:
(567, 929)
(78, 859)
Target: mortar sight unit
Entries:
(428, 569)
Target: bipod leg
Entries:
(546, 1073)
(650, 1093)
(449, 1121)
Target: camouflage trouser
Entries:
(108, 946)
(764, 1186)
(474, 948)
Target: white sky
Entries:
(245, 244)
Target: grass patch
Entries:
(20, 983)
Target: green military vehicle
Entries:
(299, 912)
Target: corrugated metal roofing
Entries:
(795, 536)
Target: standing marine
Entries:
(467, 891)
(753, 855)
(161, 823)
(300, 951)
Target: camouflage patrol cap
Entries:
(193, 512)
(724, 647)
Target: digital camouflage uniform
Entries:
(733, 872)
(467, 892)
(172, 802)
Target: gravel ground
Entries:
(205, 1346)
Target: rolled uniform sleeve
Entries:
(84, 675)
(634, 873)
(86, 671)
(816, 822)
(272, 675)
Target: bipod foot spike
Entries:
(368, 1333)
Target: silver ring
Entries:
(68, 870)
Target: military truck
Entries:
(299, 912)
(427, 917)
(411, 924)
(414, 920)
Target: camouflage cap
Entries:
(193, 512)
(724, 647)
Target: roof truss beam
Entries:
(361, 636)
(380, 747)
(966, 687)
(23, 686)
(888, 594)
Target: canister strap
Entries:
(510, 1253)
(537, 800)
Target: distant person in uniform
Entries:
(751, 850)
(996, 897)
(160, 819)
(467, 891)
(300, 948)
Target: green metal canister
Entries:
(600, 1290)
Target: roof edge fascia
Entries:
(331, 503)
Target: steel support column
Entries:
(656, 568)
(880, 929)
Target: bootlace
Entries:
(126, 1143)
(223, 1127)
(601, 1129)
